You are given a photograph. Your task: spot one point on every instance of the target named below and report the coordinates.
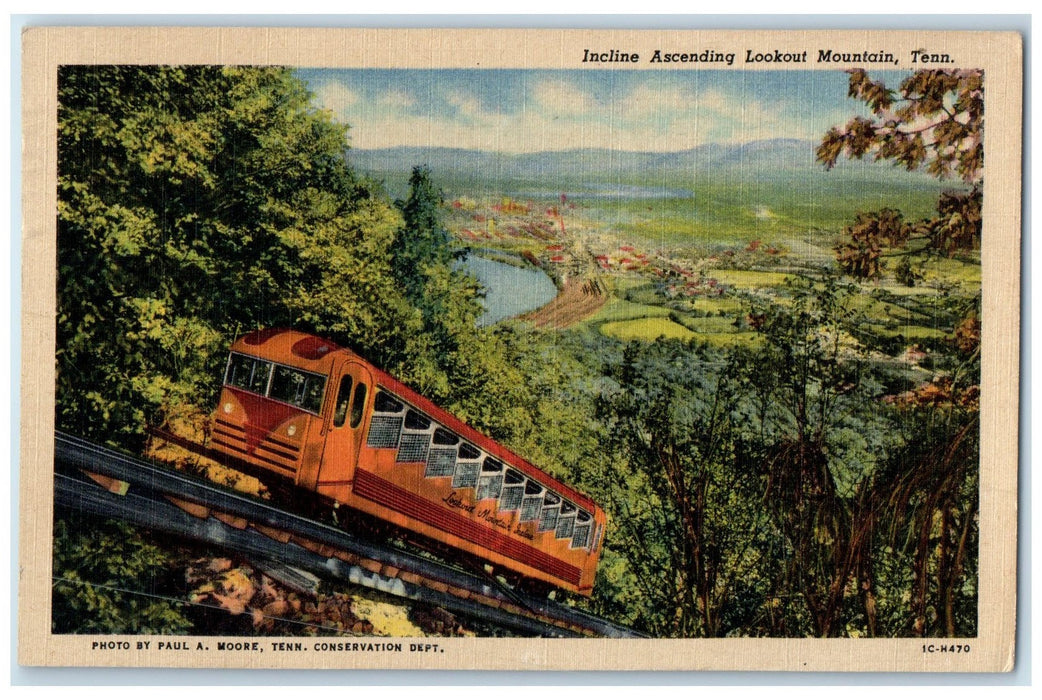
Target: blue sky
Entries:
(520, 111)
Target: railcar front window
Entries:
(249, 373)
(293, 386)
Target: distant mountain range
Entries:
(767, 159)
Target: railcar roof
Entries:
(302, 350)
(316, 354)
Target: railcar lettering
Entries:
(454, 501)
(486, 515)
(523, 532)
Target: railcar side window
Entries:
(441, 460)
(343, 398)
(385, 403)
(249, 373)
(565, 521)
(299, 388)
(467, 468)
(358, 405)
(532, 502)
(416, 438)
(386, 424)
(490, 482)
(551, 509)
(513, 491)
(581, 534)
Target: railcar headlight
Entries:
(291, 430)
(228, 407)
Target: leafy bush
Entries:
(110, 579)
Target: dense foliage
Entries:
(110, 579)
(777, 491)
(195, 204)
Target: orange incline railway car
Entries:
(310, 411)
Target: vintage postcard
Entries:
(520, 349)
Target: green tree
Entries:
(681, 494)
(935, 121)
(443, 360)
(932, 497)
(423, 242)
(821, 437)
(196, 203)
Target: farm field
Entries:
(698, 267)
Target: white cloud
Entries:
(336, 97)
(397, 99)
(656, 104)
(560, 99)
(469, 107)
(558, 114)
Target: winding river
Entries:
(510, 290)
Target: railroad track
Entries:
(147, 495)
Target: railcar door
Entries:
(352, 390)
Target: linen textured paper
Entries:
(520, 349)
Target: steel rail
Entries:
(82, 454)
(157, 514)
(155, 482)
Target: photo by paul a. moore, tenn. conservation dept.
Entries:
(503, 349)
